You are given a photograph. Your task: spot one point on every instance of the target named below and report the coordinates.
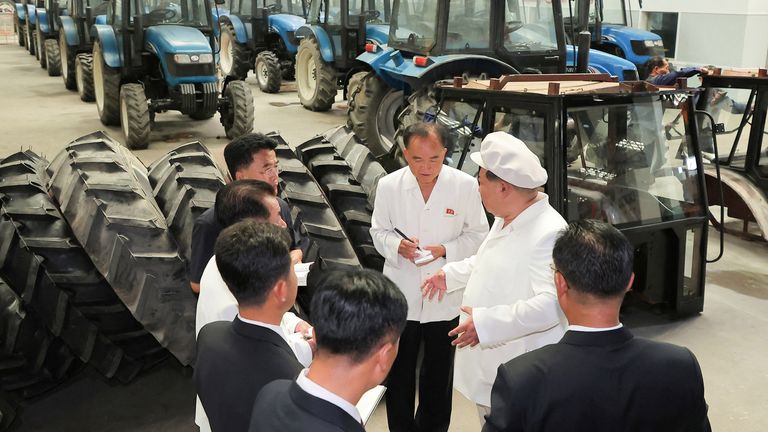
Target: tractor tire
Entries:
(350, 191)
(84, 77)
(353, 86)
(184, 183)
(134, 116)
(105, 196)
(7, 411)
(288, 71)
(268, 73)
(373, 113)
(52, 57)
(234, 58)
(59, 282)
(106, 88)
(315, 79)
(20, 35)
(30, 38)
(300, 189)
(40, 43)
(67, 56)
(32, 361)
(237, 114)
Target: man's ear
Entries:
(631, 281)
(560, 284)
(385, 356)
(280, 290)
(237, 176)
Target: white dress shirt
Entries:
(453, 217)
(511, 290)
(216, 303)
(321, 392)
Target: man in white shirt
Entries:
(438, 209)
(243, 199)
(510, 304)
(360, 315)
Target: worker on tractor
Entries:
(659, 73)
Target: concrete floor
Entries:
(37, 112)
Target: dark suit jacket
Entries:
(283, 406)
(604, 381)
(234, 362)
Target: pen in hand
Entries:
(405, 237)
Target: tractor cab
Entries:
(607, 157)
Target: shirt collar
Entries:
(275, 328)
(593, 329)
(318, 391)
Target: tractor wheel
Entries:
(268, 73)
(288, 72)
(106, 88)
(237, 113)
(40, 43)
(373, 111)
(20, 34)
(315, 79)
(30, 40)
(105, 196)
(84, 77)
(67, 56)
(134, 116)
(52, 57)
(235, 58)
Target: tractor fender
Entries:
(100, 19)
(749, 194)
(110, 49)
(217, 13)
(378, 33)
(21, 13)
(437, 68)
(42, 20)
(602, 62)
(322, 38)
(285, 26)
(241, 32)
(31, 13)
(67, 25)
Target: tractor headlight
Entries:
(193, 58)
(658, 43)
(648, 43)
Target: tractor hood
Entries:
(173, 39)
(284, 23)
(377, 32)
(628, 33)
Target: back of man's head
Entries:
(251, 257)
(594, 258)
(242, 199)
(355, 312)
(238, 154)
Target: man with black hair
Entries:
(236, 359)
(360, 315)
(253, 157)
(438, 208)
(659, 73)
(598, 377)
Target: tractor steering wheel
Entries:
(513, 26)
(160, 15)
(274, 8)
(371, 15)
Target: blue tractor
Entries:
(154, 56)
(47, 35)
(336, 32)
(27, 9)
(430, 41)
(260, 35)
(75, 44)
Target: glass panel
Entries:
(530, 26)
(613, 12)
(762, 162)
(664, 24)
(727, 107)
(291, 7)
(526, 124)
(180, 12)
(374, 10)
(414, 24)
(622, 167)
(468, 25)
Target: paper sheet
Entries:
(370, 400)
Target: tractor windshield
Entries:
(632, 164)
(290, 7)
(414, 25)
(529, 26)
(613, 12)
(179, 12)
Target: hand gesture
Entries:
(467, 334)
(407, 249)
(434, 284)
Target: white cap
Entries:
(510, 160)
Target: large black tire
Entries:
(237, 113)
(315, 79)
(268, 73)
(373, 113)
(134, 116)
(29, 35)
(235, 58)
(67, 56)
(106, 198)
(32, 361)
(350, 191)
(184, 183)
(52, 57)
(300, 189)
(288, 70)
(84, 77)
(40, 43)
(7, 410)
(42, 260)
(106, 88)
(20, 35)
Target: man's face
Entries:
(662, 70)
(263, 167)
(274, 212)
(425, 157)
(490, 191)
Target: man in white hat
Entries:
(510, 302)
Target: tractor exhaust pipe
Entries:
(583, 40)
